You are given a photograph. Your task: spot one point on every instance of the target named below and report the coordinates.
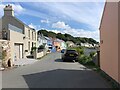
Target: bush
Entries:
(80, 50)
(33, 49)
(83, 59)
(92, 54)
(41, 47)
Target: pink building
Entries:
(110, 40)
(57, 44)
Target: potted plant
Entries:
(33, 49)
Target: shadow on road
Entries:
(61, 78)
(58, 60)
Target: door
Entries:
(21, 51)
(16, 47)
(18, 51)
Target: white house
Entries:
(63, 45)
(70, 44)
(41, 40)
(86, 45)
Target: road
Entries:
(51, 72)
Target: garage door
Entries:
(18, 51)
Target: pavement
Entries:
(20, 62)
(26, 61)
(51, 72)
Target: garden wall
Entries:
(5, 53)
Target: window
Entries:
(29, 46)
(32, 35)
(29, 33)
(32, 44)
(4, 35)
(14, 28)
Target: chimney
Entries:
(8, 10)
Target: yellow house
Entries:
(22, 38)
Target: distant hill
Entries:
(68, 37)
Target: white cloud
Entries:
(36, 27)
(1, 9)
(83, 33)
(55, 31)
(35, 13)
(18, 9)
(60, 25)
(83, 12)
(32, 26)
(45, 21)
(57, 0)
(75, 32)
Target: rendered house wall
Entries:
(109, 40)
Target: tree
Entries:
(68, 37)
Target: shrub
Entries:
(92, 54)
(33, 49)
(83, 59)
(41, 47)
(80, 50)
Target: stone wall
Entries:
(5, 52)
(37, 55)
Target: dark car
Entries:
(70, 55)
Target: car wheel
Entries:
(63, 60)
(76, 60)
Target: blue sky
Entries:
(76, 18)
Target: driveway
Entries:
(51, 72)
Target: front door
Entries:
(21, 51)
(18, 51)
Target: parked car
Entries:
(69, 55)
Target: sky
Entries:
(80, 19)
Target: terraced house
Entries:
(22, 38)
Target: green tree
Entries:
(68, 37)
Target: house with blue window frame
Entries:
(41, 40)
(50, 44)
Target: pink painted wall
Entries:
(109, 40)
(119, 43)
